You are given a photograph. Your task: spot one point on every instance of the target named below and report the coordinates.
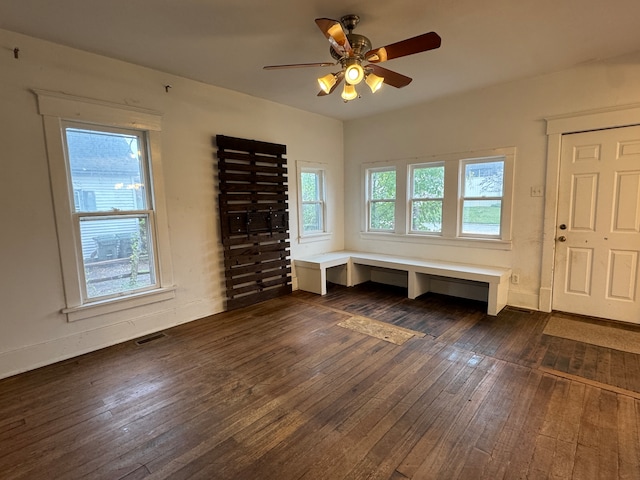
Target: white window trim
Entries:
(451, 204)
(325, 234)
(55, 108)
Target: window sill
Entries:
(314, 237)
(103, 307)
(465, 242)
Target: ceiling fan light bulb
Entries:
(374, 82)
(327, 82)
(354, 74)
(349, 92)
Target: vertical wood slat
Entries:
(254, 219)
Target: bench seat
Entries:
(353, 268)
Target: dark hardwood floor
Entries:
(280, 391)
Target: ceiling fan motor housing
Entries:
(359, 46)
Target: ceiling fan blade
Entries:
(334, 32)
(339, 78)
(298, 65)
(390, 77)
(421, 43)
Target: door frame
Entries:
(613, 117)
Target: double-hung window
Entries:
(457, 199)
(108, 198)
(312, 200)
(381, 188)
(426, 197)
(116, 237)
(482, 186)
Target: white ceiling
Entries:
(226, 42)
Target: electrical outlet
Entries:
(515, 278)
(537, 191)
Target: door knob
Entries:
(562, 238)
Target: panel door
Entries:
(598, 232)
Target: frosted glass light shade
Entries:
(327, 82)
(349, 92)
(374, 82)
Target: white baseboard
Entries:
(523, 300)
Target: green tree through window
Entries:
(382, 199)
(427, 194)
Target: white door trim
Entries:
(620, 116)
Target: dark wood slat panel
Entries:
(241, 302)
(256, 207)
(260, 267)
(243, 145)
(239, 288)
(257, 275)
(232, 197)
(253, 259)
(252, 178)
(248, 223)
(244, 167)
(265, 238)
(254, 219)
(233, 187)
(245, 250)
(251, 158)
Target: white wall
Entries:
(33, 332)
(508, 115)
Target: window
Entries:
(456, 199)
(115, 241)
(427, 195)
(382, 199)
(312, 201)
(112, 227)
(481, 197)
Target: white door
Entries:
(598, 231)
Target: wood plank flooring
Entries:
(279, 391)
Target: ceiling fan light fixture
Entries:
(374, 82)
(354, 74)
(349, 92)
(327, 82)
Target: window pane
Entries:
(483, 179)
(312, 217)
(382, 215)
(481, 216)
(428, 182)
(106, 171)
(426, 216)
(310, 182)
(117, 255)
(383, 185)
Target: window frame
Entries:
(462, 197)
(310, 237)
(58, 109)
(319, 201)
(412, 197)
(451, 210)
(370, 201)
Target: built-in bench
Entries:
(353, 268)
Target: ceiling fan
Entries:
(359, 61)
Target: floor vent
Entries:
(150, 338)
(520, 309)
